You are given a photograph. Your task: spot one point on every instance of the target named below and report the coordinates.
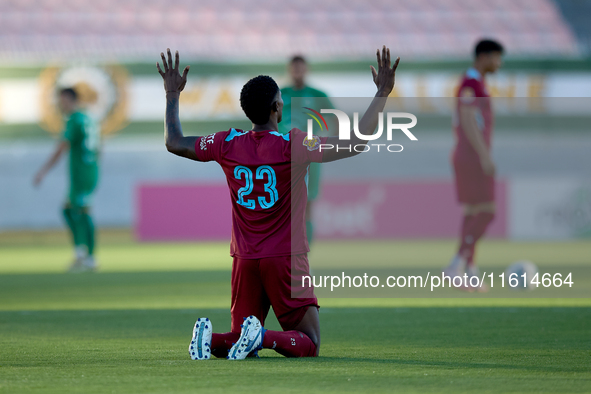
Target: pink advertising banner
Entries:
(363, 210)
(426, 209)
(184, 212)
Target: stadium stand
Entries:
(577, 12)
(47, 30)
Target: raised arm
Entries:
(384, 80)
(174, 83)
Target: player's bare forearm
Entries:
(384, 79)
(369, 121)
(59, 150)
(367, 126)
(61, 147)
(174, 83)
(173, 133)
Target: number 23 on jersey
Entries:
(261, 173)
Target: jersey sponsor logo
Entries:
(102, 93)
(312, 143)
(208, 139)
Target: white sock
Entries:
(473, 271)
(89, 261)
(457, 263)
(80, 252)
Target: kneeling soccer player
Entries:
(266, 174)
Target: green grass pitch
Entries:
(126, 329)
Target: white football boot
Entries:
(200, 347)
(456, 267)
(87, 264)
(80, 254)
(251, 339)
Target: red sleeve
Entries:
(305, 150)
(209, 147)
(468, 92)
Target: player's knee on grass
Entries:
(310, 325)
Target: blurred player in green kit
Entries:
(82, 138)
(311, 98)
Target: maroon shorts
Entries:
(258, 284)
(473, 186)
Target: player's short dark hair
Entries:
(488, 46)
(298, 58)
(257, 97)
(69, 92)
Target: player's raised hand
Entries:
(174, 82)
(384, 76)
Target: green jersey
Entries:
(298, 118)
(84, 137)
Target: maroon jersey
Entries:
(267, 176)
(472, 92)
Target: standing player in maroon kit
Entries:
(266, 174)
(472, 162)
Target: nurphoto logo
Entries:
(344, 125)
